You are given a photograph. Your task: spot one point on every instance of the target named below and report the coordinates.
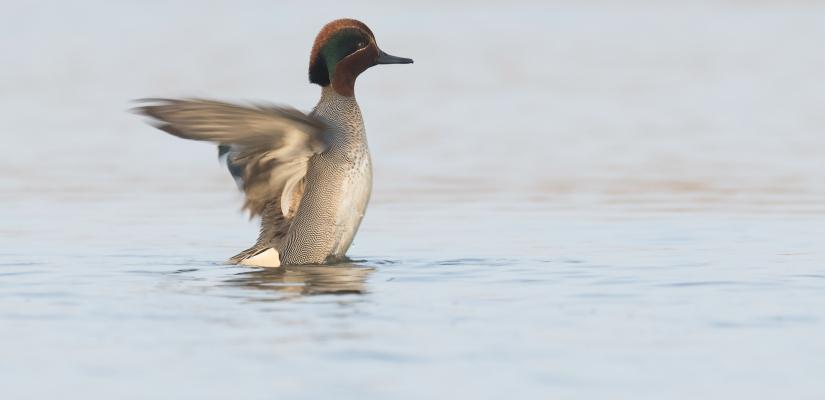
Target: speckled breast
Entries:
(338, 187)
(355, 194)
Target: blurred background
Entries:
(572, 198)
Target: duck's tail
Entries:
(257, 255)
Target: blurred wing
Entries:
(267, 147)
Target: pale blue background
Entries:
(584, 199)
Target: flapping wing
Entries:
(267, 147)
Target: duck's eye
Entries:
(361, 44)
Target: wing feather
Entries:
(266, 148)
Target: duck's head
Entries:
(344, 49)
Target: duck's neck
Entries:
(343, 116)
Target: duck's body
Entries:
(309, 177)
(339, 183)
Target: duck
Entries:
(308, 176)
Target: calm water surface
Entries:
(637, 210)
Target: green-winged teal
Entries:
(308, 176)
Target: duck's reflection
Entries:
(343, 278)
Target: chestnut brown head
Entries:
(343, 50)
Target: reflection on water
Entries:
(343, 278)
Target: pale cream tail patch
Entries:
(267, 258)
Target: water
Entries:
(589, 200)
